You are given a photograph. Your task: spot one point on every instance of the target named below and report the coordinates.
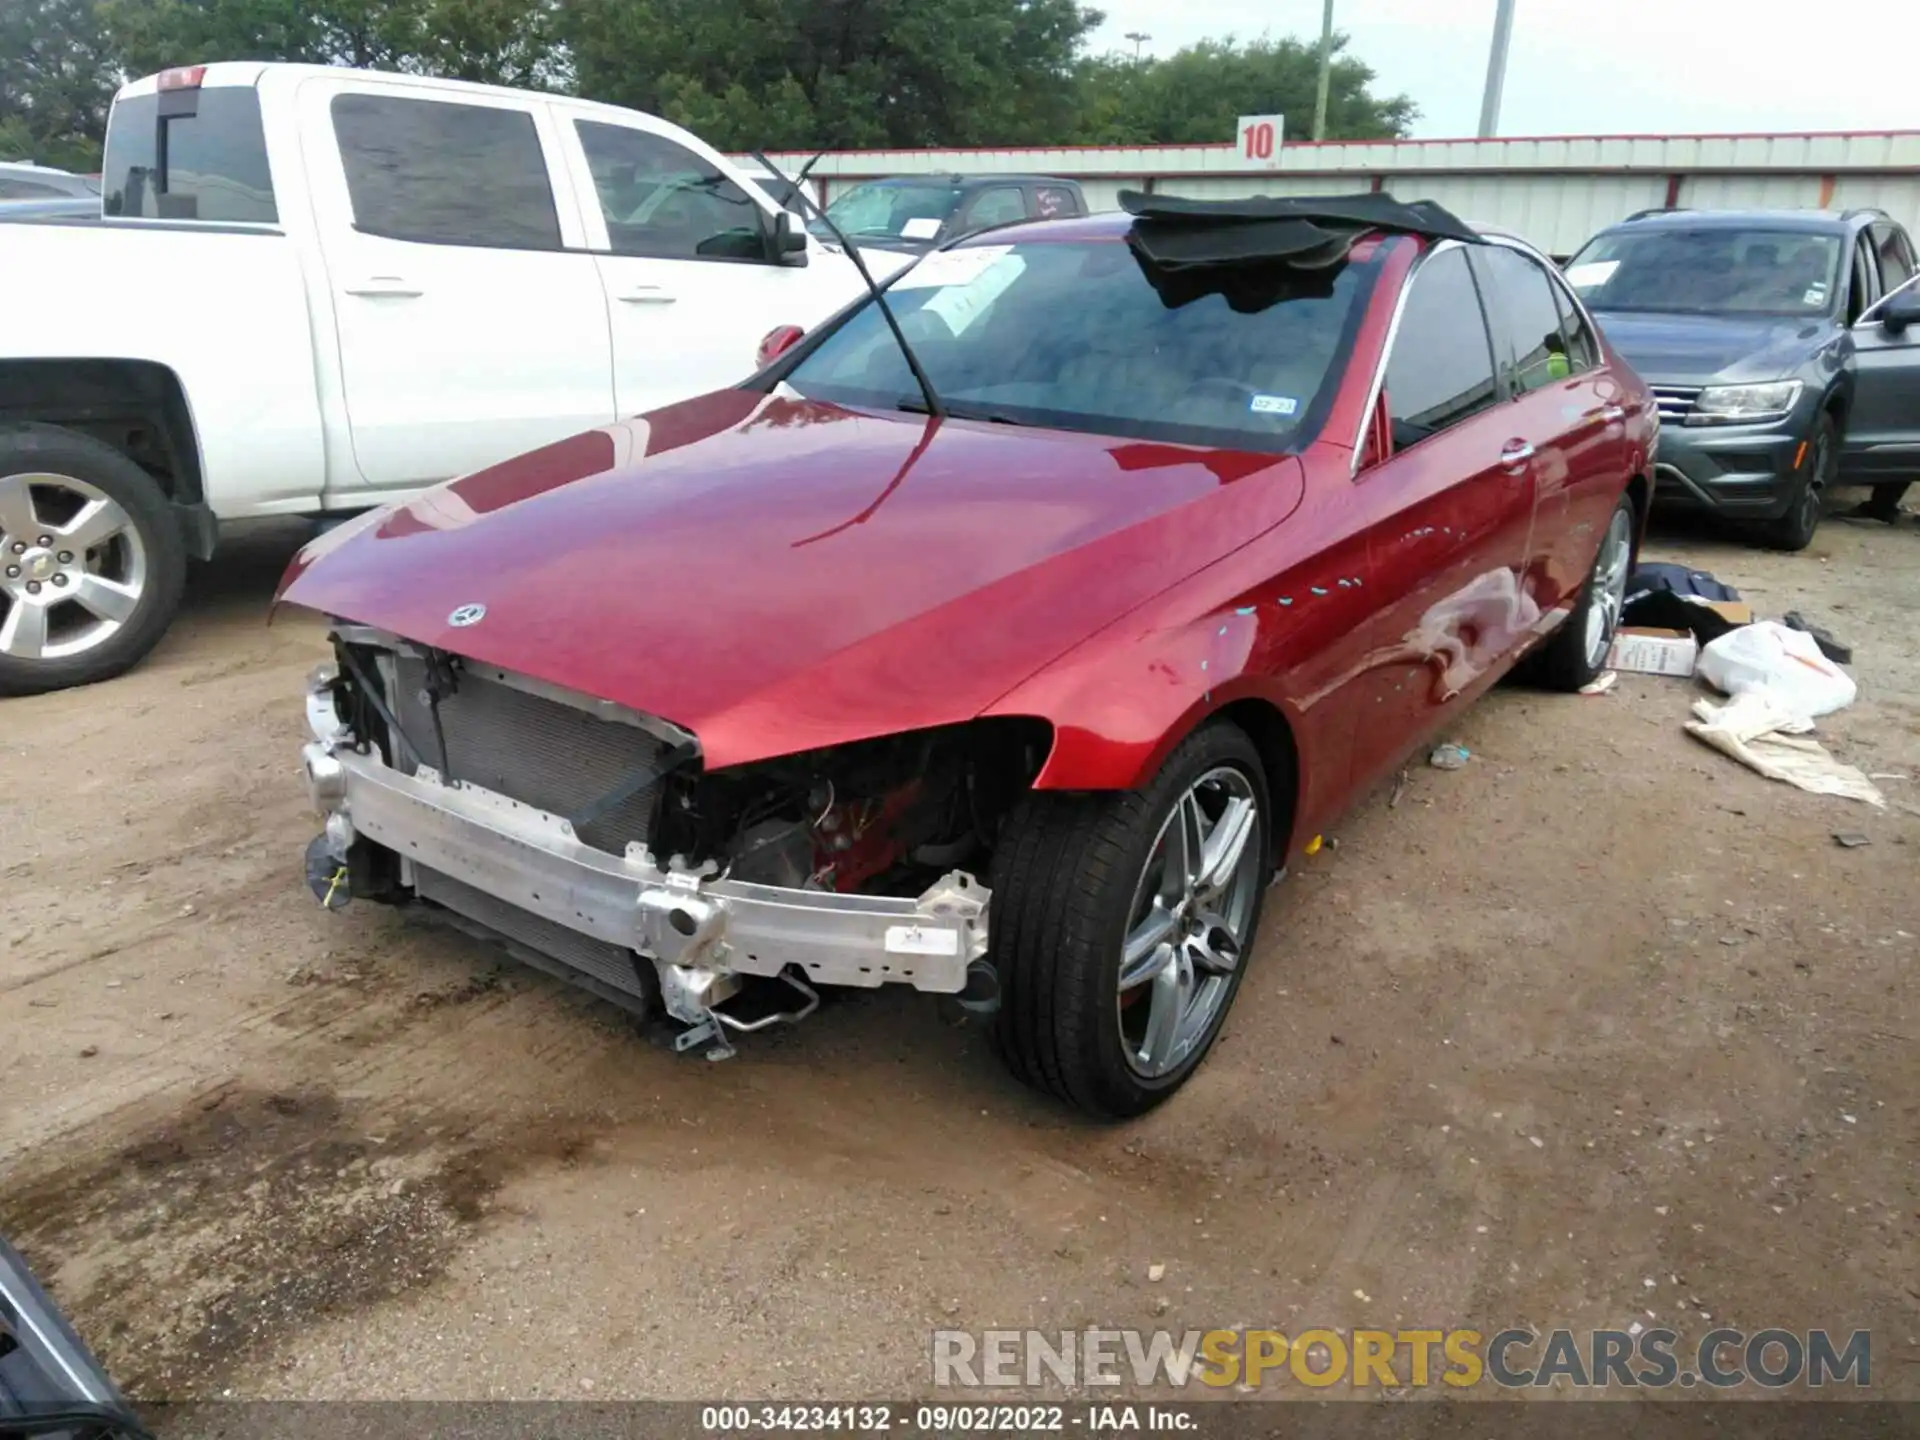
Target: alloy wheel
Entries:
(1187, 933)
(1609, 586)
(73, 567)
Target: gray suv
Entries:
(1784, 347)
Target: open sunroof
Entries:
(1173, 233)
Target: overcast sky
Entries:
(1586, 67)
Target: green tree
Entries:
(836, 74)
(1194, 96)
(57, 77)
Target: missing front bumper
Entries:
(685, 920)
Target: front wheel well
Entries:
(1265, 725)
(137, 407)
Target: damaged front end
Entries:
(591, 840)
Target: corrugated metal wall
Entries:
(1556, 191)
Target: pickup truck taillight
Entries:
(779, 340)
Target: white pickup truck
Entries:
(316, 290)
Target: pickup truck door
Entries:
(470, 321)
(684, 258)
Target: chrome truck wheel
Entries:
(91, 560)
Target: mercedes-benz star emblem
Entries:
(467, 615)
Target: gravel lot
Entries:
(1598, 1029)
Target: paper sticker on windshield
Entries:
(1274, 405)
(961, 305)
(1594, 272)
(921, 227)
(1816, 294)
(952, 267)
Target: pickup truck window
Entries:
(662, 200)
(208, 165)
(445, 174)
(1055, 200)
(998, 206)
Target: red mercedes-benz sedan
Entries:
(1009, 663)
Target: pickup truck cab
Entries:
(315, 290)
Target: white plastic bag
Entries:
(1785, 665)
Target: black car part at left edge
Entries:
(51, 1387)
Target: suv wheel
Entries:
(1795, 529)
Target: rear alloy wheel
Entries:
(1577, 653)
(1122, 924)
(1795, 529)
(91, 560)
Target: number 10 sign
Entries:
(1259, 140)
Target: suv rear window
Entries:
(1077, 337)
(215, 159)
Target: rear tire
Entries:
(93, 600)
(1577, 653)
(1795, 529)
(1078, 879)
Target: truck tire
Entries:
(92, 562)
(1118, 953)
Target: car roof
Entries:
(64, 181)
(971, 182)
(1820, 222)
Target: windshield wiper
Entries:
(915, 405)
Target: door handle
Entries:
(1516, 452)
(648, 295)
(392, 285)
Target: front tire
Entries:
(1122, 925)
(92, 563)
(1795, 529)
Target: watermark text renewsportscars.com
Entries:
(1318, 1359)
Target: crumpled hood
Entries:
(1712, 349)
(777, 575)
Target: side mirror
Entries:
(1902, 310)
(789, 238)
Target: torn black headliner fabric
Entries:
(1303, 231)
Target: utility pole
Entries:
(1326, 72)
(1139, 38)
(1496, 69)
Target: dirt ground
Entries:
(1601, 1028)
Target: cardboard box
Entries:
(1734, 612)
(1654, 652)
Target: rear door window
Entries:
(1583, 349)
(661, 199)
(1526, 320)
(1441, 370)
(445, 174)
(189, 155)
